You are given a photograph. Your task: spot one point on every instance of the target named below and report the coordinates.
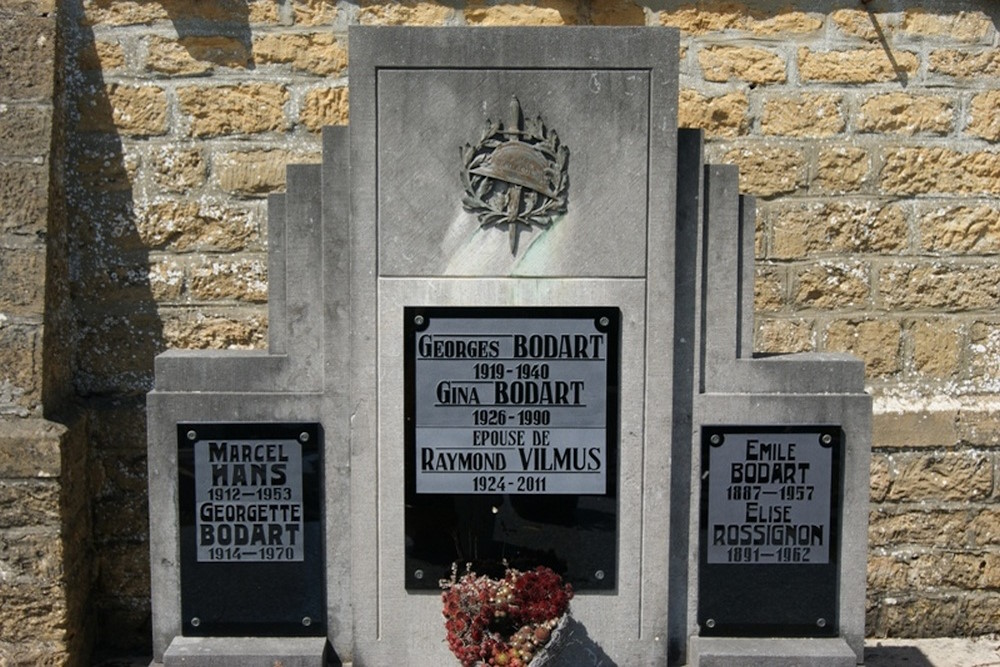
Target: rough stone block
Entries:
(832, 285)
(184, 225)
(234, 109)
(875, 341)
(937, 347)
(964, 475)
(24, 198)
(785, 21)
(104, 168)
(855, 66)
(256, 172)
(410, 12)
(949, 529)
(25, 130)
(319, 53)
(124, 109)
(31, 614)
(842, 169)
(133, 12)
(712, 16)
(963, 27)
(984, 116)
(858, 23)
(324, 106)
(243, 279)
(30, 448)
(785, 336)
(906, 114)
(547, 13)
(939, 286)
(22, 274)
(979, 423)
(617, 12)
(29, 502)
(766, 171)
(911, 425)
(719, 116)
(810, 115)
(313, 12)
(962, 64)
(803, 230)
(178, 169)
(769, 289)
(938, 616)
(744, 63)
(196, 55)
(216, 331)
(102, 55)
(27, 58)
(31, 557)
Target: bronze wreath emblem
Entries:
(515, 178)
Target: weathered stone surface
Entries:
(965, 64)
(811, 115)
(785, 336)
(617, 12)
(314, 12)
(27, 52)
(218, 331)
(903, 113)
(832, 285)
(30, 448)
(817, 228)
(325, 106)
(719, 116)
(318, 53)
(243, 279)
(24, 195)
(984, 116)
(940, 286)
(703, 17)
(249, 108)
(961, 230)
(409, 12)
(920, 170)
(102, 55)
(124, 567)
(25, 130)
(177, 169)
(879, 480)
(842, 169)
(785, 21)
(32, 614)
(766, 171)
(20, 366)
(875, 341)
(919, 617)
(769, 288)
(979, 424)
(196, 54)
(22, 274)
(936, 347)
(545, 12)
(258, 171)
(858, 23)
(984, 352)
(855, 66)
(124, 109)
(745, 63)
(912, 425)
(962, 27)
(946, 529)
(185, 225)
(29, 502)
(964, 475)
(132, 12)
(31, 556)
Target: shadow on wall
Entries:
(118, 283)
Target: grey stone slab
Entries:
(277, 321)
(391, 624)
(246, 652)
(766, 652)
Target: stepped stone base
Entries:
(765, 652)
(245, 652)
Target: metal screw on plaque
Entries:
(715, 439)
(303, 437)
(599, 575)
(306, 621)
(418, 574)
(605, 321)
(826, 439)
(710, 623)
(821, 622)
(192, 435)
(419, 320)
(195, 622)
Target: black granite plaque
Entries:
(769, 531)
(251, 529)
(511, 441)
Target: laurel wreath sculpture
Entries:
(527, 201)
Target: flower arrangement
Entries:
(502, 622)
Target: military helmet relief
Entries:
(516, 177)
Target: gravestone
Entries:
(510, 320)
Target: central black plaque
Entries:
(511, 441)
(769, 532)
(251, 529)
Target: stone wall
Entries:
(45, 560)
(868, 131)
